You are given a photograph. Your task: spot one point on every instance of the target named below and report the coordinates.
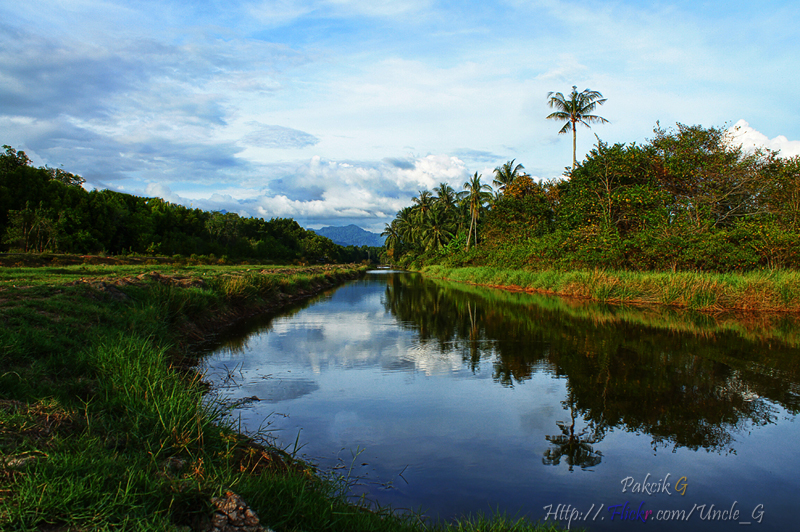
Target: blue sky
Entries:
(339, 111)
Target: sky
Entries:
(335, 112)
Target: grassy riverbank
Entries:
(103, 425)
(763, 290)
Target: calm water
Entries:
(456, 400)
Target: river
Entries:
(453, 400)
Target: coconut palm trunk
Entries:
(475, 194)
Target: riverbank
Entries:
(103, 426)
(760, 291)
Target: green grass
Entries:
(103, 428)
(769, 290)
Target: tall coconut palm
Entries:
(506, 174)
(574, 111)
(424, 200)
(445, 197)
(475, 195)
(437, 229)
(422, 206)
(392, 234)
(406, 225)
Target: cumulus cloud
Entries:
(749, 138)
(229, 104)
(323, 192)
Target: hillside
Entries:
(46, 210)
(350, 235)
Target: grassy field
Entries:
(763, 291)
(105, 426)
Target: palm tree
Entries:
(423, 204)
(506, 174)
(436, 231)
(392, 234)
(574, 111)
(445, 197)
(406, 225)
(475, 195)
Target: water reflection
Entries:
(486, 399)
(671, 383)
(575, 447)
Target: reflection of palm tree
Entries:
(474, 337)
(575, 447)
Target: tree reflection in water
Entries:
(682, 379)
(575, 447)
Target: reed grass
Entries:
(768, 290)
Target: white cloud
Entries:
(323, 192)
(229, 104)
(749, 138)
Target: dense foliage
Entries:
(45, 209)
(688, 199)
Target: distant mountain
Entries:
(351, 235)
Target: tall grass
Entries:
(758, 290)
(99, 430)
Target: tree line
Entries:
(47, 210)
(690, 198)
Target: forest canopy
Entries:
(47, 210)
(690, 198)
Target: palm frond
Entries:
(594, 119)
(558, 115)
(574, 110)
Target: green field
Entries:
(104, 424)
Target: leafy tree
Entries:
(317, 248)
(575, 110)
(62, 176)
(223, 227)
(712, 180)
(782, 196)
(12, 159)
(523, 212)
(615, 188)
(32, 230)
